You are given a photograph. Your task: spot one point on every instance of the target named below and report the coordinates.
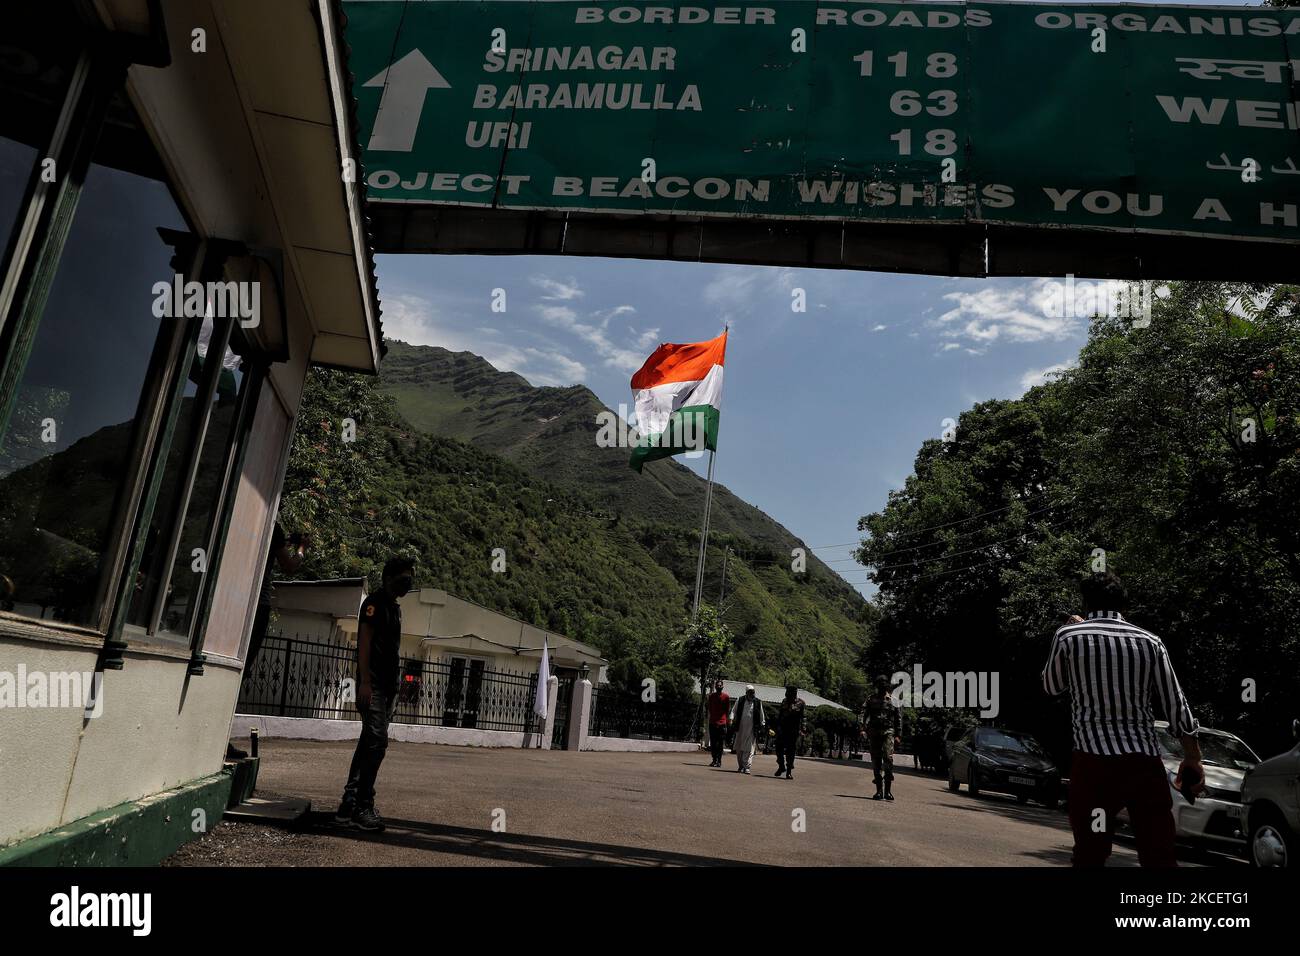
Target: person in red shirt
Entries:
(719, 704)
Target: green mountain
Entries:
(591, 549)
(810, 625)
(551, 433)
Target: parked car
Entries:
(1005, 761)
(1216, 816)
(1271, 797)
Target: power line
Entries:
(982, 514)
(919, 562)
(965, 534)
(936, 527)
(923, 563)
(940, 574)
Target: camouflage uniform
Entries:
(884, 721)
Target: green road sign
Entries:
(1143, 119)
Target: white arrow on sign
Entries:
(405, 83)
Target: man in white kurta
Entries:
(747, 718)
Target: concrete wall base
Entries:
(312, 728)
(639, 746)
(140, 832)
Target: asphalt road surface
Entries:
(474, 806)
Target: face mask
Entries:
(402, 585)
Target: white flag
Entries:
(543, 680)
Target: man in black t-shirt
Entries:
(789, 728)
(379, 637)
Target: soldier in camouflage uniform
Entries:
(883, 723)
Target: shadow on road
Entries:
(1059, 856)
(510, 847)
(994, 803)
(1028, 812)
(865, 764)
(756, 773)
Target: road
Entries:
(448, 805)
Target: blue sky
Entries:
(822, 412)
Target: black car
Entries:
(1004, 761)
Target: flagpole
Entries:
(704, 531)
(704, 541)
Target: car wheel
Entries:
(1271, 843)
(953, 785)
(972, 781)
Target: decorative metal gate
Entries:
(563, 700)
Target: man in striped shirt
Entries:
(1117, 675)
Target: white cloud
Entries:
(614, 313)
(1037, 310)
(1010, 313)
(1040, 376)
(413, 319)
(560, 315)
(596, 334)
(737, 290)
(563, 370)
(879, 328)
(558, 290)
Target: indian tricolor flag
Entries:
(677, 393)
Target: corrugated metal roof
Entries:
(772, 693)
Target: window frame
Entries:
(255, 377)
(31, 257)
(41, 232)
(173, 523)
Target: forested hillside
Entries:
(619, 582)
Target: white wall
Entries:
(157, 729)
(37, 747)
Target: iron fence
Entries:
(292, 677)
(622, 713)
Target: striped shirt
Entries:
(1115, 672)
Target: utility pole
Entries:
(722, 591)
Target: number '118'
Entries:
(938, 65)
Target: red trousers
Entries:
(1107, 784)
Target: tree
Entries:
(798, 676)
(839, 726)
(1170, 454)
(705, 648)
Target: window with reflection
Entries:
(183, 570)
(193, 562)
(37, 55)
(69, 426)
